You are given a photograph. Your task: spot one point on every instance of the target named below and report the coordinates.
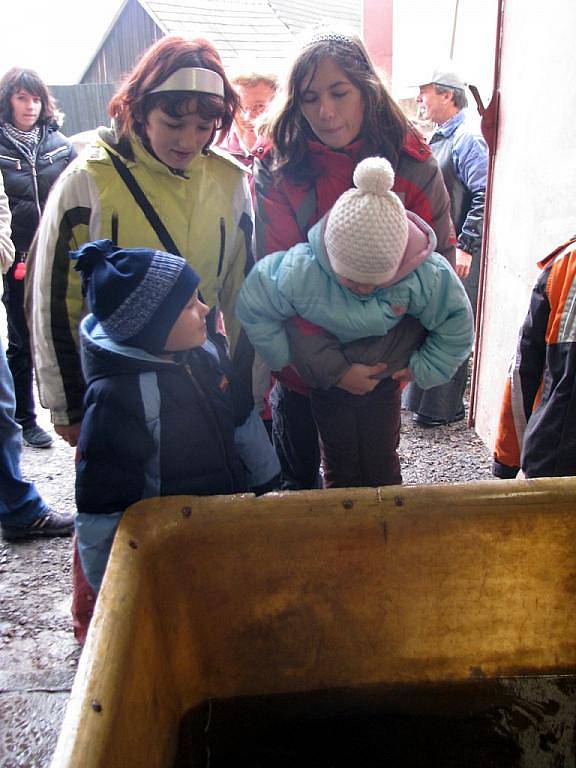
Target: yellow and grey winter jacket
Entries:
(207, 210)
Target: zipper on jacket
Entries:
(36, 192)
(15, 160)
(222, 245)
(51, 155)
(114, 228)
(212, 416)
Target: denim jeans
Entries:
(256, 451)
(443, 403)
(19, 353)
(94, 539)
(20, 502)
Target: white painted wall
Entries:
(534, 189)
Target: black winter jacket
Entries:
(537, 428)
(27, 186)
(152, 427)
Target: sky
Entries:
(56, 38)
(420, 47)
(59, 38)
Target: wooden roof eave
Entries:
(111, 26)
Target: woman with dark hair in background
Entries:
(33, 153)
(335, 112)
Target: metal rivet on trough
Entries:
(96, 706)
(399, 501)
(348, 504)
(186, 511)
(132, 544)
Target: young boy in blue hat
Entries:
(158, 417)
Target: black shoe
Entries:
(49, 525)
(426, 423)
(36, 437)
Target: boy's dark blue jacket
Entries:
(152, 427)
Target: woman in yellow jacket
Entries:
(165, 117)
(152, 181)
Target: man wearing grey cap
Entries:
(462, 155)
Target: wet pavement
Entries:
(38, 654)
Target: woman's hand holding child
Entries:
(360, 379)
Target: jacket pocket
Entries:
(15, 161)
(51, 156)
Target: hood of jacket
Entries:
(421, 243)
(325, 158)
(132, 150)
(101, 356)
(322, 156)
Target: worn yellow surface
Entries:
(225, 596)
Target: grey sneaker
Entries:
(49, 525)
(36, 437)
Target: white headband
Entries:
(193, 79)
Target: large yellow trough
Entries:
(395, 589)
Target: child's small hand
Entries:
(405, 375)
(70, 433)
(360, 379)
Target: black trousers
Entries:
(295, 439)
(18, 352)
(359, 435)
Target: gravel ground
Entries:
(38, 654)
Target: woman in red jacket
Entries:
(335, 112)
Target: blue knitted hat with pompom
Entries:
(136, 294)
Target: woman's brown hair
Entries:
(384, 126)
(18, 79)
(133, 102)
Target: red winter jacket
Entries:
(285, 211)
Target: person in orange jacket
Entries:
(537, 429)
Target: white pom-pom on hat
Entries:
(374, 175)
(367, 229)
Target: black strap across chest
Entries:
(155, 222)
(146, 206)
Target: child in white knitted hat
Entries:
(367, 264)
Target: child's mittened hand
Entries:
(360, 379)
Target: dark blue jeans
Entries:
(19, 353)
(444, 403)
(20, 502)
